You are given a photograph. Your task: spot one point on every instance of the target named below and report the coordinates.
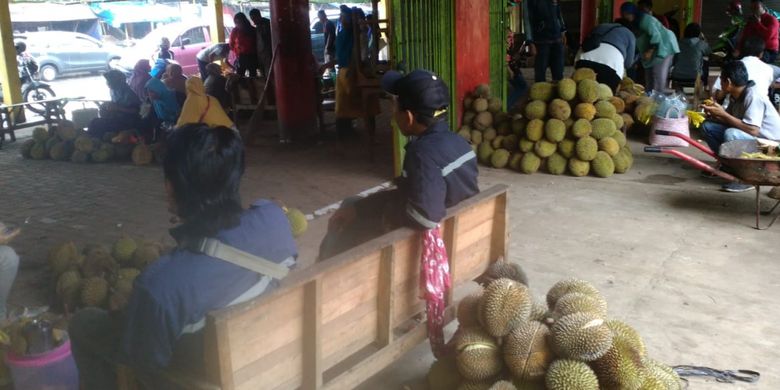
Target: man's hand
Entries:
(714, 110)
(532, 50)
(648, 55)
(342, 218)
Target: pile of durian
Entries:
(66, 143)
(573, 126)
(506, 340)
(99, 276)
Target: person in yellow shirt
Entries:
(202, 108)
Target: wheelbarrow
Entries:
(750, 171)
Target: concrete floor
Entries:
(674, 257)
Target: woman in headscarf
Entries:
(166, 108)
(121, 113)
(657, 46)
(158, 70)
(175, 80)
(243, 42)
(202, 108)
(139, 78)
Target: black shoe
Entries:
(737, 187)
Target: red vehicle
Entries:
(187, 39)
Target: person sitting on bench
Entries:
(160, 326)
(122, 112)
(439, 169)
(750, 115)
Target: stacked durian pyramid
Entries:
(507, 340)
(66, 143)
(573, 126)
(98, 275)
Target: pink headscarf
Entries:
(139, 78)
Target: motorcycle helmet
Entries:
(20, 46)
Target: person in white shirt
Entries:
(761, 73)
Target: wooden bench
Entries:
(53, 112)
(339, 322)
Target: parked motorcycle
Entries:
(32, 89)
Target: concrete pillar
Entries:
(9, 75)
(697, 8)
(472, 53)
(296, 104)
(217, 23)
(588, 17)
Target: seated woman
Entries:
(161, 325)
(689, 62)
(166, 108)
(216, 85)
(122, 112)
(440, 169)
(139, 78)
(202, 108)
(175, 80)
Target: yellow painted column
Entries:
(217, 25)
(9, 75)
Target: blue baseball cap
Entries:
(420, 91)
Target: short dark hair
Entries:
(254, 12)
(692, 30)
(204, 166)
(321, 13)
(753, 46)
(736, 72)
(645, 3)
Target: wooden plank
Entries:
(385, 297)
(312, 319)
(216, 349)
(279, 365)
(500, 235)
(451, 228)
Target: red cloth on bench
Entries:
(434, 282)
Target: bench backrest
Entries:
(340, 321)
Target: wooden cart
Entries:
(339, 322)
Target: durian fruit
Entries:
(475, 385)
(541, 91)
(567, 89)
(468, 117)
(62, 151)
(578, 167)
(566, 148)
(505, 304)
(514, 161)
(570, 286)
(618, 103)
(628, 121)
(468, 310)
(622, 366)
(503, 269)
(485, 152)
(124, 248)
(536, 109)
(483, 120)
(581, 336)
(66, 130)
(545, 148)
(465, 132)
(602, 165)
(580, 303)
(476, 137)
(498, 142)
(559, 109)
(477, 354)
(587, 91)
(40, 134)
(480, 105)
(38, 151)
(621, 162)
(99, 265)
(603, 127)
(518, 125)
(620, 138)
(568, 374)
(619, 122)
(482, 90)
(605, 109)
(658, 376)
(609, 145)
(443, 375)
(539, 312)
(510, 142)
(146, 254)
(50, 144)
(534, 131)
(555, 130)
(26, 148)
(104, 154)
(94, 292)
(79, 157)
(503, 126)
(581, 128)
(585, 111)
(526, 145)
(69, 288)
(128, 274)
(84, 144)
(527, 353)
(494, 105)
(605, 92)
(586, 148)
(556, 164)
(503, 385)
(584, 74)
(489, 135)
(530, 163)
(142, 155)
(500, 158)
(62, 257)
(298, 222)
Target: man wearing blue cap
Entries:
(439, 171)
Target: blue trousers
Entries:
(548, 55)
(716, 134)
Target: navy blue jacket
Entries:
(180, 288)
(544, 20)
(440, 171)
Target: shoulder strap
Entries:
(216, 248)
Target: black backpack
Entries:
(593, 40)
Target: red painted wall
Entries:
(587, 18)
(472, 47)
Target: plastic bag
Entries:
(670, 106)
